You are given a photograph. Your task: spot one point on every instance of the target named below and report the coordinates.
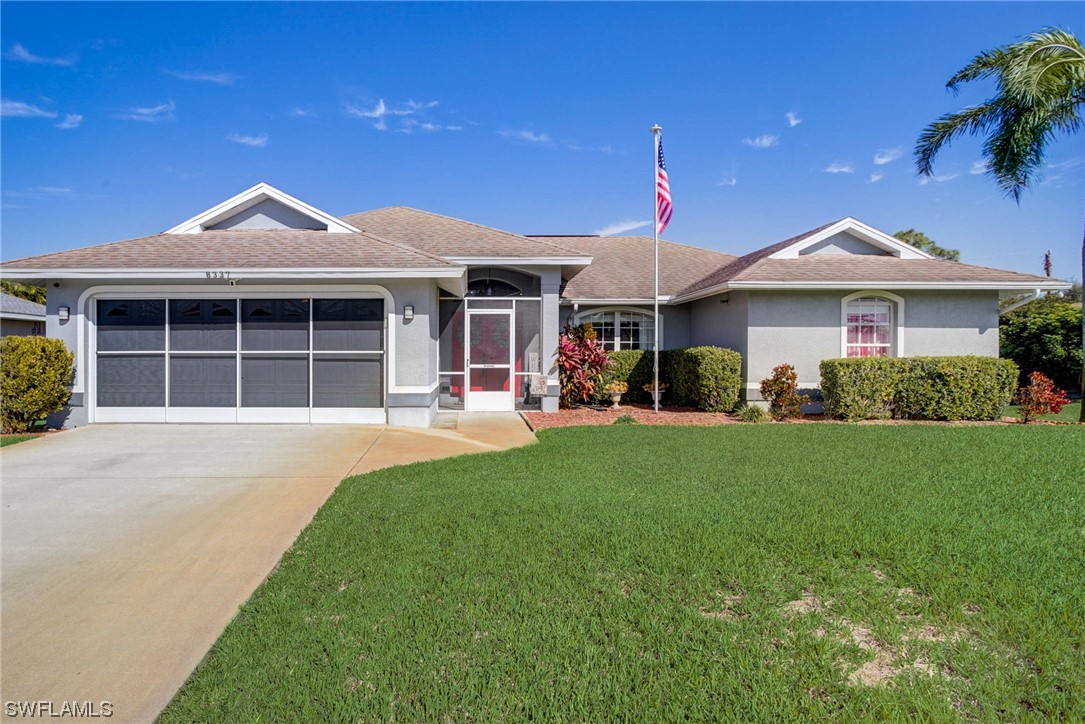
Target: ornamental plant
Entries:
(581, 359)
(648, 387)
(1039, 397)
(34, 376)
(617, 387)
(781, 390)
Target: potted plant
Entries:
(656, 394)
(616, 390)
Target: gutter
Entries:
(1030, 297)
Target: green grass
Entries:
(6, 440)
(571, 580)
(1070, 413)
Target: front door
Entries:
(489, 361)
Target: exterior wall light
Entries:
(64, 313)
(408, 312)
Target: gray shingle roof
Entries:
(872, 269)
(240, 249)
(621, 266)
(10, 304)
(448, 237)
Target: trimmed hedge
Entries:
(34, 376)
(956, 388)
(860, 388)
(918, 388)
(708, 378)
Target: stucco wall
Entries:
(675, 327)
(843, 243)
(269, 214)
(411, 400)
(20, 328)
(804, 327)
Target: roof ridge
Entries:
(636, 236)
(463, 221)
(406, 247)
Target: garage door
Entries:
(239, 360)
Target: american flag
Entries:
(663, 193)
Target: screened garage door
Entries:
(239, 360)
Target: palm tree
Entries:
(1040, 94)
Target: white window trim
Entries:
(635, 310)
(896, 319)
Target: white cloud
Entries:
(18, 109)
(198, 76)
(297, 112)
(887, 155)
(763, 141)
(937, 178)
(381, 111)
(620, 227)
(71, 120)
(19, 52)
(254, 141)
(410, 125)
(526, 135)
(39, 192)
(600, 149)
(1070, 163)
(876, 177)
(727, 180)
(152, 114)
(792, 119)
(978, 167)
(840, 167)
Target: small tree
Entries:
(34, 377)
(782, 392)
(1044, 336)
(581, 360)
(923, 242)
(1039, 397)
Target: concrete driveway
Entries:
(128, 548)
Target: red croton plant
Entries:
(581, 359)
(1039, 397)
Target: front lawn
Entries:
(744, 572)
(1070, 413)
(6, 440)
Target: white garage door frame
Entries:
(88, 304)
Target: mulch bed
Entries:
(645, 415)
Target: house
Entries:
(20, 316)
(267, 309)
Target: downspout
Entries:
(1031, 297)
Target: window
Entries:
(621, 329)
(868, 327)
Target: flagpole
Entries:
(656, 130)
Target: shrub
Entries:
(1039, 397)
(625, 419)
(955, 388)
(752, 413)
(860, 388)
(581, 358)
(708, 378)
(1044, 336)
(634, 368)
(34, 376)
(782, 392)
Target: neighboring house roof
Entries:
(12, 307)
(621, 267)
(454, 238)
(240, 249)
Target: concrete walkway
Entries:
(126, 549)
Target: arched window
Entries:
(621, 328)
(871, 325)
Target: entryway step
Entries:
(445, 420)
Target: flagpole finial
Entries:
(656, 128)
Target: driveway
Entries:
(128, 548)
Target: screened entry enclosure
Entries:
(239, 360)
(489, 347)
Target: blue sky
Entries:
(123, 119)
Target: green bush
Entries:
(34, 376)
(955, 388)
(632, 366)
(860, 388)
(1045, 336)
(918, 388)
(752, 413)
(708, 378)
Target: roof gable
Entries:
(273, 209)
(855, 229)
